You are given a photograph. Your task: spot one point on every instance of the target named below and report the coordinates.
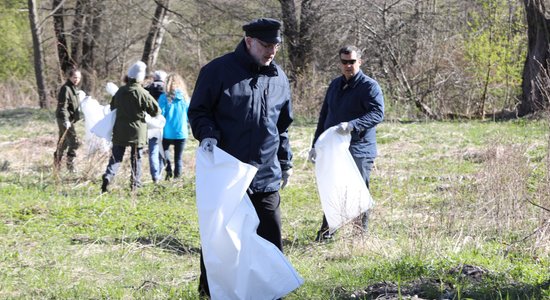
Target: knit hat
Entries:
(137, 71)
(159, 75)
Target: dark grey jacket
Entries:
(68, 105)
(358, 101)
(247, 109)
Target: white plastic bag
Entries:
(111, 88)
(240, 264)
(104, 127)
(93, 113)
(155, 125)
(344, 195)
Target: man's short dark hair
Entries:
(348, 49)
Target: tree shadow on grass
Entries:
(21, 116)
(167, 243)
(472, 283)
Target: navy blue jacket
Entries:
(359, 102)
(247, 109)
(156, 88)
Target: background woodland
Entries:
(435, 59)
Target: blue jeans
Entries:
(116, 160)
(156, 160)
(364, 164)
(179, 145)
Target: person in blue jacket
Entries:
(174, 103)
(355, 103)
(242, 104)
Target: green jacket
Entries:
(132, 101)
(68, 106)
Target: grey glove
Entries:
(344, 128)
(286, 174)
(67, 124)
(312, 155)
(207, 144)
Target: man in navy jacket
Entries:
(353, 102)
(241, 103)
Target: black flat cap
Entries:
(265, 29)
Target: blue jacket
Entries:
(175, 113)
(360, 103)
(247, 109)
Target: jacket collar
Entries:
(248, 62)
(352, 82)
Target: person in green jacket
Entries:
(68, 113)
(131, 102)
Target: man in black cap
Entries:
(242, 104)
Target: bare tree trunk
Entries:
(536, 63)
(59, 28)
(305, 47)
(76, 41)
(290, 31)
(298, 35)
(92, 31)
(37, 50)
(156, 34)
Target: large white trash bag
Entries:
(93, 113)
(342, 190)
(239, 263)
(104, 127)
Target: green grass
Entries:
(448, 195)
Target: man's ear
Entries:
(248, 41)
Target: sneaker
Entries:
(104, 185)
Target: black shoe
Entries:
(323, 235)
(365, 221)
(104, 185)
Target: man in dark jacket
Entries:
(156, 153)
(131, 101)
(156, 88)
(241, 103)
(67, 114)
(354, 102)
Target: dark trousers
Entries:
(67, 139)
(365, 167)
(116, 160)
(269, 213)
(179, 145)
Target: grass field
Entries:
(461, 213)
